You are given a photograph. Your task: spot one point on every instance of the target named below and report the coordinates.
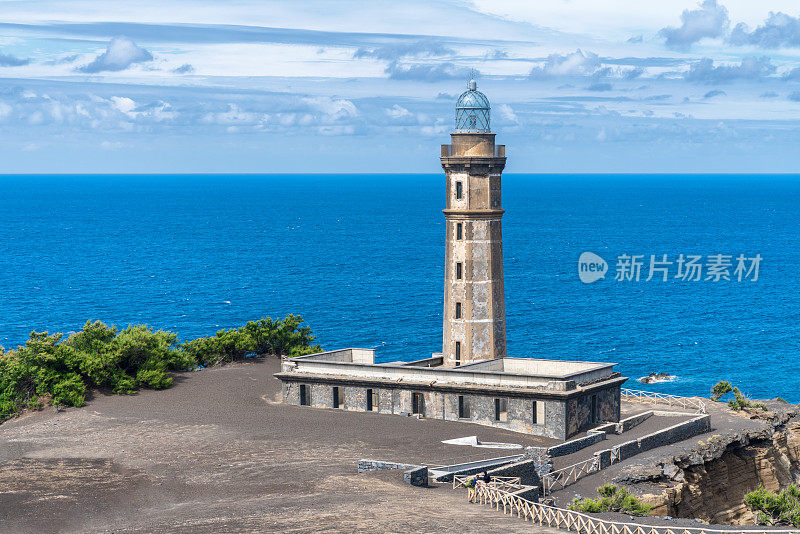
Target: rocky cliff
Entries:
(709, 482)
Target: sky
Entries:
(265, 86)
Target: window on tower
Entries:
(458, 353)
(459, 270)
(459, 230)
(458, 310)
(459, 190)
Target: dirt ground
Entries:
(217, 453)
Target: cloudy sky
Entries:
(357, 86)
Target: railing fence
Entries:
(551, 516)
(651, 397)
(562, 478)
(504, 483)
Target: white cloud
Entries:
(576, 63)
(708, 20)
(777, 31)
(332, 108)
(123, 104)
(750, 68)
(120, 54)
(399, 112)
(5, 111)
(507, 113)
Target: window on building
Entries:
(305, 395)
(458, 310)
(464, 411)
(458, 353)
(418, 403)
(459, 190)
(538, 412)
(501, 410)
(459, 270)
(459, 230)
(337, 399)
(372, 400)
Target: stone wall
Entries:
(526, 470)
(542, 462)
(667, 436)
(417, 476)
(579, 410)
(378, 465)
(633, 421)
(551, 420)
(575, 445)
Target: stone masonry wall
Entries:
(526, 470)
(667, 436)
(551, 420)
(579, 410)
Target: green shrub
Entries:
(739, 401)
(770, 508)
(101, 356)
(256, 338)
(69, 390)
(612, 499)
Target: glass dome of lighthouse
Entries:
(472, 111)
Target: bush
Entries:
(772, 508)
(256, 338)
(612, 499)
(739, 401)
(48, 368)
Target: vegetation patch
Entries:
(770, 508)
(612, 499)
(739, 401)
(50, 369)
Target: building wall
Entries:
(556, 418)
(579, 410)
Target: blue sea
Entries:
(361, 257)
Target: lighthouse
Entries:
(474, 299)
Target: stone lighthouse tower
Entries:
(474, 300)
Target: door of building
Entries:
(418, 404)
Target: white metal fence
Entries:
(650, 397)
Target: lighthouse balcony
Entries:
(449, 151)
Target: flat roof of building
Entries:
(512, 372)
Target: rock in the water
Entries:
(653, 378)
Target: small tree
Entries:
(720, 389)
(739, 401)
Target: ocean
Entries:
(360, 257)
